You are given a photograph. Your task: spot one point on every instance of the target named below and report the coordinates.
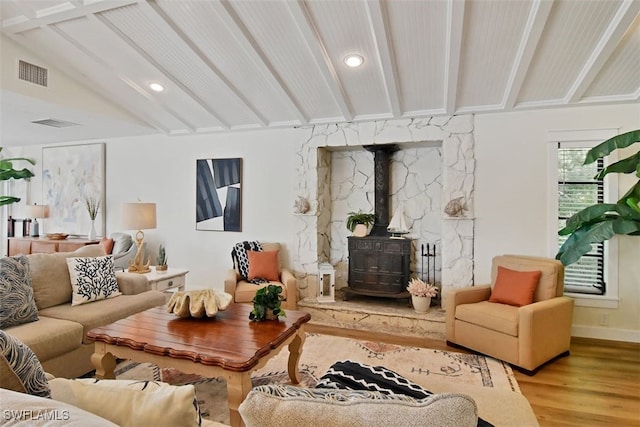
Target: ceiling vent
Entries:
(32, 73)
(55, 123)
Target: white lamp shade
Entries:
(36, 211)
(138, 216)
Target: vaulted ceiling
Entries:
(242, 64)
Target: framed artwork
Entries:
(70, 175)
(219, 194)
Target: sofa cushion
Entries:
(107, 245)
(48, 337)
(46, 412)
(24, 363)
(263, 265)
(92, 279)
(285, 406)
(121, 242)
(50, 275)
(551, 270)
(514, 287)
(18, 304)
(245, 291)
(106, 311)
(139, 403)
(497, 317)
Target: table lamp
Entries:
(35, 212)
(139, 216)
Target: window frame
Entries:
(585, 139)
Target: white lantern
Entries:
(326, 282)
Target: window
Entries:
(592, 281)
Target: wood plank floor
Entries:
(597, 385)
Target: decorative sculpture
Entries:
(198, 303)
(301, 205)
(455, 207)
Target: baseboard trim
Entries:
(611, 334)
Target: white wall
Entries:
(512, 201)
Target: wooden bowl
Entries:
(57, 236)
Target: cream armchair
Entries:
(526, 336)
(244, 291)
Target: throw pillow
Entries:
(277, 405)
(107, 244)
(514, 287)
(240, 259)
(138, 403)
(22, 361)
(92, 279)
(263, 265)
(17, 302)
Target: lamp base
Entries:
(140, 269)
(138, 265)
(35, 229)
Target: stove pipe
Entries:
(381, 161)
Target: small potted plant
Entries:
(421, 294)
(358, 223)
(266, 304)
(161, 260)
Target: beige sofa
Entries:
(58, 338)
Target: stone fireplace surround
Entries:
(313, 230)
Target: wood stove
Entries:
(378, 263)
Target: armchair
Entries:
(525, 336)
(124, 250)
(244, 291)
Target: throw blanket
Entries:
(240, 259)
(350, 375)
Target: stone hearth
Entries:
(390, 316)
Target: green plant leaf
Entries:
(607, 147)
(597, 213)
(15, 174)
(629, 165)
(7, 200)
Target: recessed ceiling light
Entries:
(353, 60)
(156, 87)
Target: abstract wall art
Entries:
(219, 194)
(71, 174)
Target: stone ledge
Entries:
(377, 315)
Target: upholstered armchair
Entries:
(124, 250)
(243, 290)
(521, 318)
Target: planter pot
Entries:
(269, 315)
(421, 304)
(161, 268)
(360, 230)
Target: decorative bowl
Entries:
(57, 236)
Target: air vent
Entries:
(32, 73)
(55, 123)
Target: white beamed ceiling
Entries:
(242, 64)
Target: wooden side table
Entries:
(172, 279)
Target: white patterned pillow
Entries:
(18, 304)
(24, 364)
(92, 279)
(139, 403)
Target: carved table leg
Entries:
(238, 386)
(295, 350)
(104, 362)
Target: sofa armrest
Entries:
(230, 282)
(460, 296)
(544, 330)
(132, 283)
(291, 285)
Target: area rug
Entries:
(424, 366)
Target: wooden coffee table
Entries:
(228, 345)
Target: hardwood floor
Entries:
(597, 385)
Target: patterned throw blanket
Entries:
(241, 260)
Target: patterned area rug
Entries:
(424, 366)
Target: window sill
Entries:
(597, 301)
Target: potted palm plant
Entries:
(358, 223)
(602, 221)
(266, 304)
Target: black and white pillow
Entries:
(92, 279)
(24, 364)
(241, 260)
(17, 303)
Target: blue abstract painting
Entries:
(219, 194)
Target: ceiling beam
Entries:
(455, 25)
(538, 16)
(316, 47)
(378, 20)
(624, 17)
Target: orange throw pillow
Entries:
(107, 244)
(515, 287)
(263, 265)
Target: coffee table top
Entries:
(229, 340)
